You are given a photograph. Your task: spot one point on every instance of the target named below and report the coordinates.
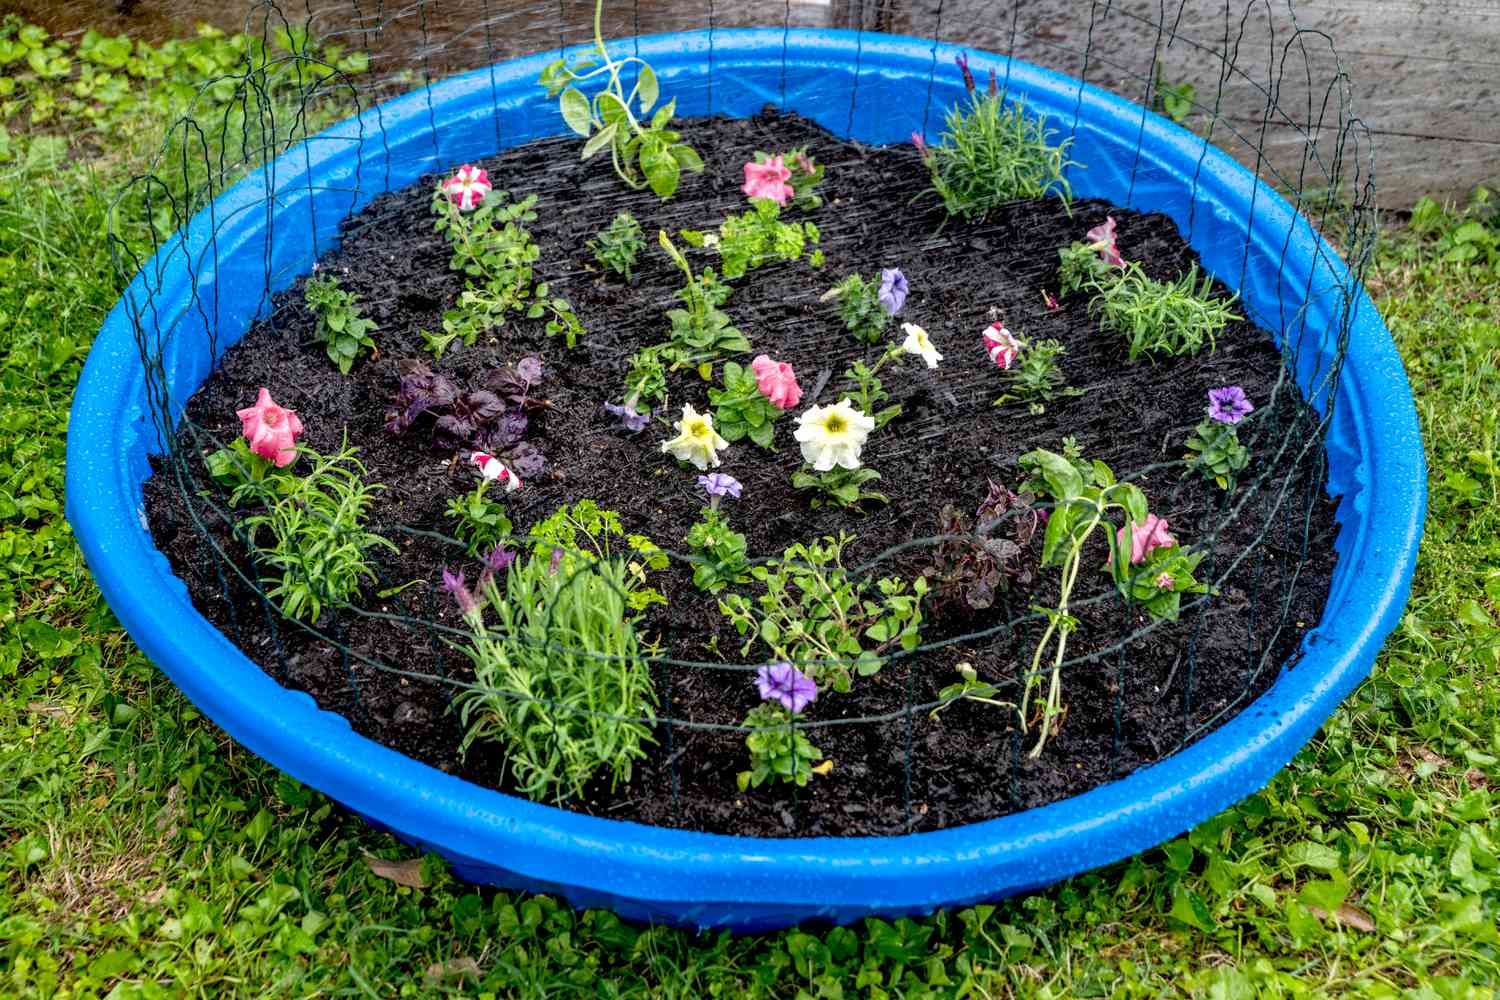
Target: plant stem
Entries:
(1057, 622)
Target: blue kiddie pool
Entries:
(872, 88)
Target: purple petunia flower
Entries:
(629, 418)
(893, 289)
(1228, 404)
(786, 685)
(717, 484)
(455, 584)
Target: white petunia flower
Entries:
(696, 439)
(833, 435)
(917, 342)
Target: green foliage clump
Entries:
(481, 523)
(1214, 452)
(584, 527)
(741, 410)
(1174, 318)
(719, 552)
(1035, 377)
(316, 524)
(341, 325)
(778, 750)
(702, 332)
(644, 153)
(495, 251)
(994, 153)
(839, 487)
(755, 238)
(560, 679)
(822, 621)
(860, 308)
(619, 244)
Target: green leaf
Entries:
(575, 110)
(647, 88)
(661, 171)
(687, 157)
(664, 114)
(1189, 908)
(1062, 479)
(599, 140)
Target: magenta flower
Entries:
(1051, 301)
(271, 430)
(1001, 345)
(1165, 582)
(768, 180)
(630, 419)
(776, 381)
(467, 187)
(717, 484)
(962, 60)
(917, 141)
(785, 684)
(1146, 537)
(893, 289)
(498, 558)
(1102, 236)
(1228, 404)
(455, 584)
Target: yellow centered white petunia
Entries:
(833, 435)
(696, 439)
(917, 342)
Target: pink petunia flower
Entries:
(777, 382)
(768, 180)
(1165, 582)
(467, 187)
(271, 430)
(1001, 345)
(1146, 537)
(1103, 237)
(494, 470)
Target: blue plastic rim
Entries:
(872, 88)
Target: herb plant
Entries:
(495, 251)
(644, 153)
(1035, 377)
(1145, 562)
(575, 535)
(493, 418)
(619, 244)
(818, 618)
(861, 309)
(341, 325)
(755, 238)
(560, 677)
(973, 562)
(741, 409)
(312, 529)
(702, 332)
(1174, 318)
(992, 153)
(481, 523)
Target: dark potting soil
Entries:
(1138, 699)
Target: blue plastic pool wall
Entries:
(269, 229)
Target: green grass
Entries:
(144, 855)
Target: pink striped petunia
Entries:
(1001, 345)
(467, 188)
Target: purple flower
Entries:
(557, 555)
(496, 561)
(630, 420)
(893, 289)
(962, 59)
(1228, 404)
(785, 684)
(455, 584)
(717, 484)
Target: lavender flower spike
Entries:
(717, 484)
(893, 289)
(629, 418)
(1228, 404)
(786, 685)
(455, 584)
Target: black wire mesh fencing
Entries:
(945, 732)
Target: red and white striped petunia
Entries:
(467, 188)
(494, 470)
(1001, 345)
